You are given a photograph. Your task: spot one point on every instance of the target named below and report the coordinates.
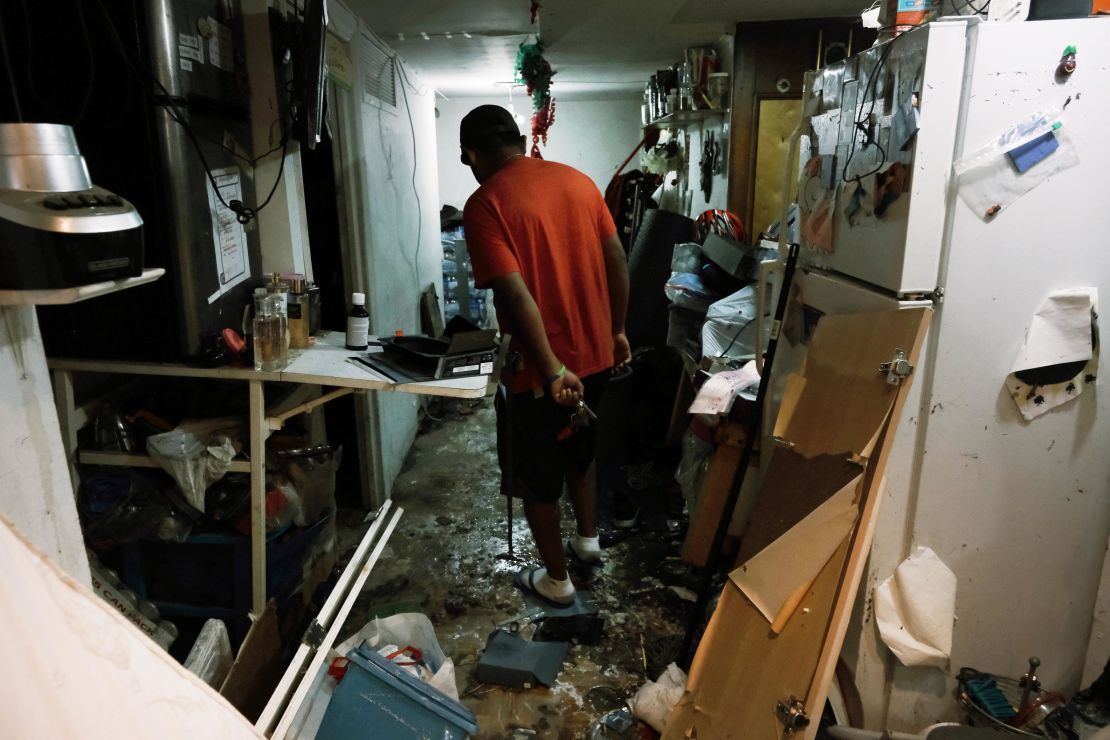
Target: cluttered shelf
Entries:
(682, 118)
(138, 460)
(62, 296)
(325, 363)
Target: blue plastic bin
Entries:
(379, 700)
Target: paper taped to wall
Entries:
(1060, 355)
(916, 608)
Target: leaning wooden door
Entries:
(764, 665)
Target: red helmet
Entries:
(721, 223)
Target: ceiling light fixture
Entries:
(424, 36)
(447, 35)
(467, 35)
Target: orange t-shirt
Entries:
(547, 221)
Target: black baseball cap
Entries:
(488, 127)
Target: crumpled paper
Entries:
(1060, 355)
(916, 609)
(654, 700)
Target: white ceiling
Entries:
(596, 46)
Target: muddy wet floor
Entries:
(449, 559)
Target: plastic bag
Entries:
(312, 471)
(210, 658)
(191, 464)
(655, 699)
(687, 257)
(409, 629)
(995, 176)
(697, 454)
(730, 329)
(283, 503)
(688, 291)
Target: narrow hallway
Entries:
(448, 559)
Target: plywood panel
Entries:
(734, 686)
(776, 120)
(742, 669)
(800, 485)
(846, 398)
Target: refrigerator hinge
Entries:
(792, 714)
(938, 295)
(898, 369)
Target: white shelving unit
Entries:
(63, 296)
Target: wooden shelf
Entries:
(139, 460)
(687, 117)
(62, 296)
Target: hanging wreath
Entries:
(535, 73)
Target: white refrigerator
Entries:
(1020, 511)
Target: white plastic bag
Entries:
(655, 699)
(191, 464)
(989, 181)
(409, 629)
(730, 327)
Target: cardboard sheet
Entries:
(794, 560)
(916, 609)
(1060, 355)
(74, 667)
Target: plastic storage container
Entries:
(379, 700)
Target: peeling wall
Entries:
(35, 490)
(386, 165)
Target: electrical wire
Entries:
(737, 336)
(862, 125)
(9, 70)
(243, 214)
(415, 191)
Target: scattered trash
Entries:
(619, 725)
(511, 661)
(655, 699)
(405, 632)
(191, 463)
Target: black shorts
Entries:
(539, 459)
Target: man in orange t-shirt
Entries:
(540, 235)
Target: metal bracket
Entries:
(792, 714)
(898, 369)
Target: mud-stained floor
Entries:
(449, 560)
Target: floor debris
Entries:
(458, 573)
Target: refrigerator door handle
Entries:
(766, 269)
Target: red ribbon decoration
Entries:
(535, 11)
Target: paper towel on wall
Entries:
(1060, 354)
(916, 609)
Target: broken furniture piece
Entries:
(833, 434)
(512, 661)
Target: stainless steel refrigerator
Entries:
(159, 95)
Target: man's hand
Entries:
(622, 352)
(566, 390)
